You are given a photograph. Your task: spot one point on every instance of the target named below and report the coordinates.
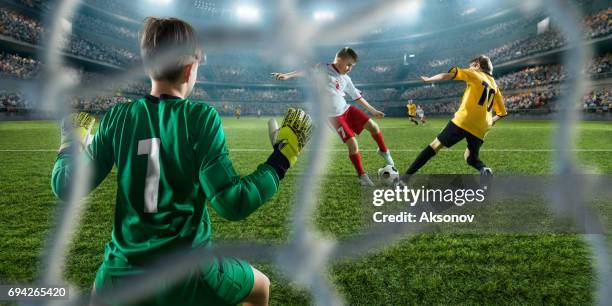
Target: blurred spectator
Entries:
(530, 77)
(29, 30)
(103, 27)
(19, 27)
(12, 102)
(533, 77)
(40, 4)
(595, 25)
(445, 107)
(103, 53)
(600, 65)
(123, 8)
(599, 100)
(97, 104)
(13, 65)
(433, 91)
(599, 23)
(256, 95)
(530, 88)
(200, 94)
(384, 94)
(530, 99)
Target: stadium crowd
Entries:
(123, 8)
(103, 53)
(15, 66)
(99, 26)
(433, 91)
(530, 99)
(595, 25)
(377, 72)
(380, 63)
(598, 24)
(383, 94)
(533, 77)
(40, 4)
(599, 100)
(200, 94)
(236, 74)
(267, 95)
(531, 87)
(529, 77)
(30, 30)
(19, 27)
(385, 62)
(448, 106)
(12, 102)
(226, 108)
(600, 65)
(97, 104)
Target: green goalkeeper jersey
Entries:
(171, 161)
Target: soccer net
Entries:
(307, 254)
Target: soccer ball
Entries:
(388, 175)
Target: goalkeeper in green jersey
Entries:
(172, 161)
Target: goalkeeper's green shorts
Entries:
(225, 281)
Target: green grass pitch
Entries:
(426, 269)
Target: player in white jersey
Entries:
(421, 114)
(347, 119)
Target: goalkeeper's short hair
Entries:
(166, 46)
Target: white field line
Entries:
(367, 150)
(497, 128)
(439, 127)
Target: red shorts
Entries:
(348, 124)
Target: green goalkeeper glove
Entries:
(76, 130)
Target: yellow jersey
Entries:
(480, 96)
(411, 109)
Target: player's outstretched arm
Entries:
(76, 137)
(438, 77)
(376, 113)
(235, 197)
(287, 76)
(496, 118)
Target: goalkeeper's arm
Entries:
(96, 157)
(232, 196)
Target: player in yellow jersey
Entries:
(411, 107)
(473, 118)
(237, 112)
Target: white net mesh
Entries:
(307, 254)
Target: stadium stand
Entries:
(386, 73)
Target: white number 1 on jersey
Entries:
(150, 147)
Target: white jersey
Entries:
(338, 85)
(420, 112)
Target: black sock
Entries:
(421, 160)
(476, 163)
